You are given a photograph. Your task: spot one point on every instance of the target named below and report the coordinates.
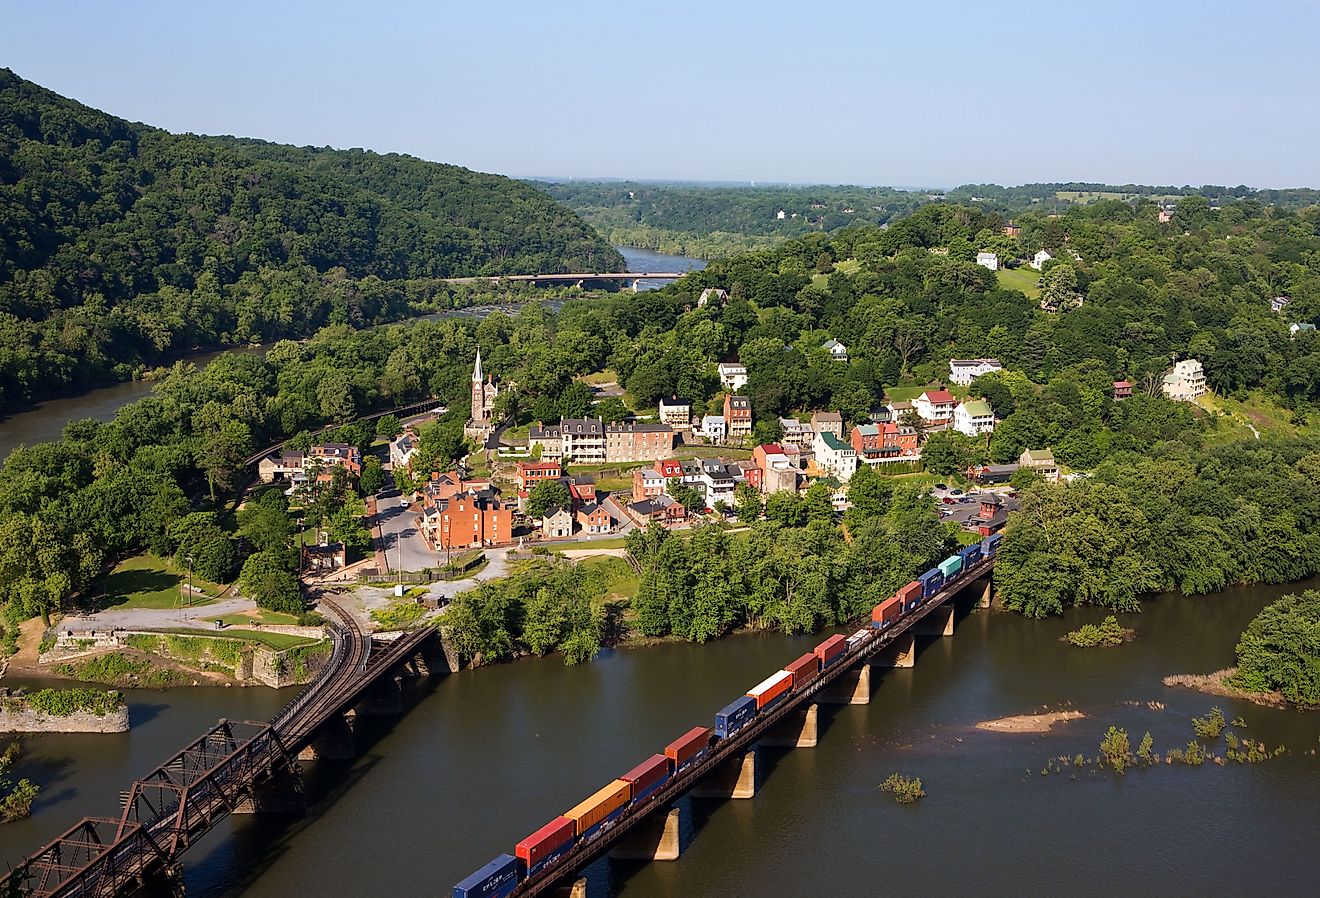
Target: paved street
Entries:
(398, 534)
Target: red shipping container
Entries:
(804, 670)
(687, 745)
(654, 769)
(830, 649)
(888, 610)
(545, 841)
(910, 592)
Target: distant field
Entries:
(145, 581)
(1259, 411)
(1023, 279)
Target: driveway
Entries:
(156, 618)
(396, 533)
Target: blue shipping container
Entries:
(971, 555)
(990, 543)
(931, 583)
(495, 880)
(734, 716)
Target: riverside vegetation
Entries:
(15, 797)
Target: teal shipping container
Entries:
(950, 566)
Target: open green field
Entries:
(614, 542)
(608, 376)
(1259, 411)
(617, 577)
(909, 393)
(1023, 279)
(145, 581)
(276, 641)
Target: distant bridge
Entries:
(577, 278)
(235, 767)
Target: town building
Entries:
(582, 440)
(733, 376)
(675, 412)
(1186, 382)
(484, 394)
(1300, 327)
(402, 449)
(557, 523)
(661, 508)
(317, 463)
(581, 489)
(469, 519)
(991, 516)
(547, 437)
(637, 442)
(324, 557)
(647, 483)
(594, 519)
(900, 437)
(1041, 461)
(935, 406)
(530, 473)
(974, 417)
(669, 468)
(714, 429)
(334, 455)
(712, 294)
(826, 422)
(795, 432)
(287, 465)
(987, 260)
(838, 352)
(1038, 261)
(992, 473)
(1122, 390)
(834, 456)
(1165, 216)
(776, 469)
(1012, 229)
(964, 371)
(737, 417)
(1279, 303)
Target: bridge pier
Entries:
(987, 594)
(334, 741)
(281, 794)
(654, 839)
(937, 622)
(577, 890)
(385, 699)
(902, 652)
(799, 730)
(735, 778)
(852, 688)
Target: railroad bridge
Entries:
(235, 767)
(649, 830)
(581, 278)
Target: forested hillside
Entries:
(123, 245)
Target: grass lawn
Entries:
(145, 581)
(617, 577)
(519, 433)
(967, 537)
(1023, 279)
(1259, 411)
(608, 376)
(261, 615)
(276, 641)
(614, 542)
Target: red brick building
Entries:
(737, 416)
(467, 520)
(530, 473)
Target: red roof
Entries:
(772, 449)
(670, 468)
(1122, 384)
(939, 396)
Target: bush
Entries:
(267, 580)
(311, 619)
(904, 789)
(1210, 726)
(1107, 632)
(1279, 650)
(1116, 750)
(64, 702)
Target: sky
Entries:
(935, 93)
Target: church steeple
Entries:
(476, 371)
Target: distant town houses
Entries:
(714, 429)
(974, 417)
(1300, 327)
(964, 371)
(632, 442)
(1038, 261)
(590, 441)
(530, 473)
(733, 376)
(593, 519)
(737, 417)
(1012, 229)
(676, 412)
(795, 432)
(402, 450)
(835, 457)
(1041, 461)
(838, 352)
(1186, 382)
(1279, 303)
(936, 407)
(988, 260)
(1122, 390)
(469, 516)
(317, 463)
(661, 508)
(1165, 216)
(713, 294)
(778, 469)
(557, 523)
(647, 483)
(826, 422)
(876, 444)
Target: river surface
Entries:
(47, 421)
(485, 757)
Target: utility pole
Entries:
(187, 599)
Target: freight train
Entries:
(588, 819)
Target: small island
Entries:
(63, 711)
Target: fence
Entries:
(454, 570)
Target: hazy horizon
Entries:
(1171, 94)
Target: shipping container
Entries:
(495, 880)
(688, 748)
(910, 595)
(888, 611)
(771, 689)
(950, 567)
(991, 543)
(600, 810)
(545, 845)
(647, 776)
(829, 651)
(804, 670)
(931, 582)
(736, 715)
(971, 556)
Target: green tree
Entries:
(547, 495)
(268, 581)
(372, 479)
(748, 503)
(1280, 649)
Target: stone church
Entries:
(484, 392)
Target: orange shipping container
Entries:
(771, 689)
(831, 648)
(599, 807)
(681, 750)
(804, 670)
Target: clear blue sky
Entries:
(927, 93)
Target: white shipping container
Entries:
(769, 683)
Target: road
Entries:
(157, 618)
(397, 534)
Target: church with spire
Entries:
(484, 392)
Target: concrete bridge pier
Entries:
(577, 890)
(798, 730)
(851, 688)
(937, 622)
(987, 594)
(736, 778)
(655, 839)
(385, 699)
(902, 652)
(334, 741)
(282, 793)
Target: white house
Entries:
(838, 352)
(935, 405)
(1279, 303)
(1185, 382)
(714, 428)
(834, 456)
(402, 450)
(964, 371)
(780, 216)
(1038, 261)
(1300, 327)
(974, 417)
(733, 376)
(987, 260)
(712, 293)
(796, 432)
(675, 412)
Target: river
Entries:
(485, 757)
(47, 420)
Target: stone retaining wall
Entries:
(25, 720)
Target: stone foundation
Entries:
(17, 718)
